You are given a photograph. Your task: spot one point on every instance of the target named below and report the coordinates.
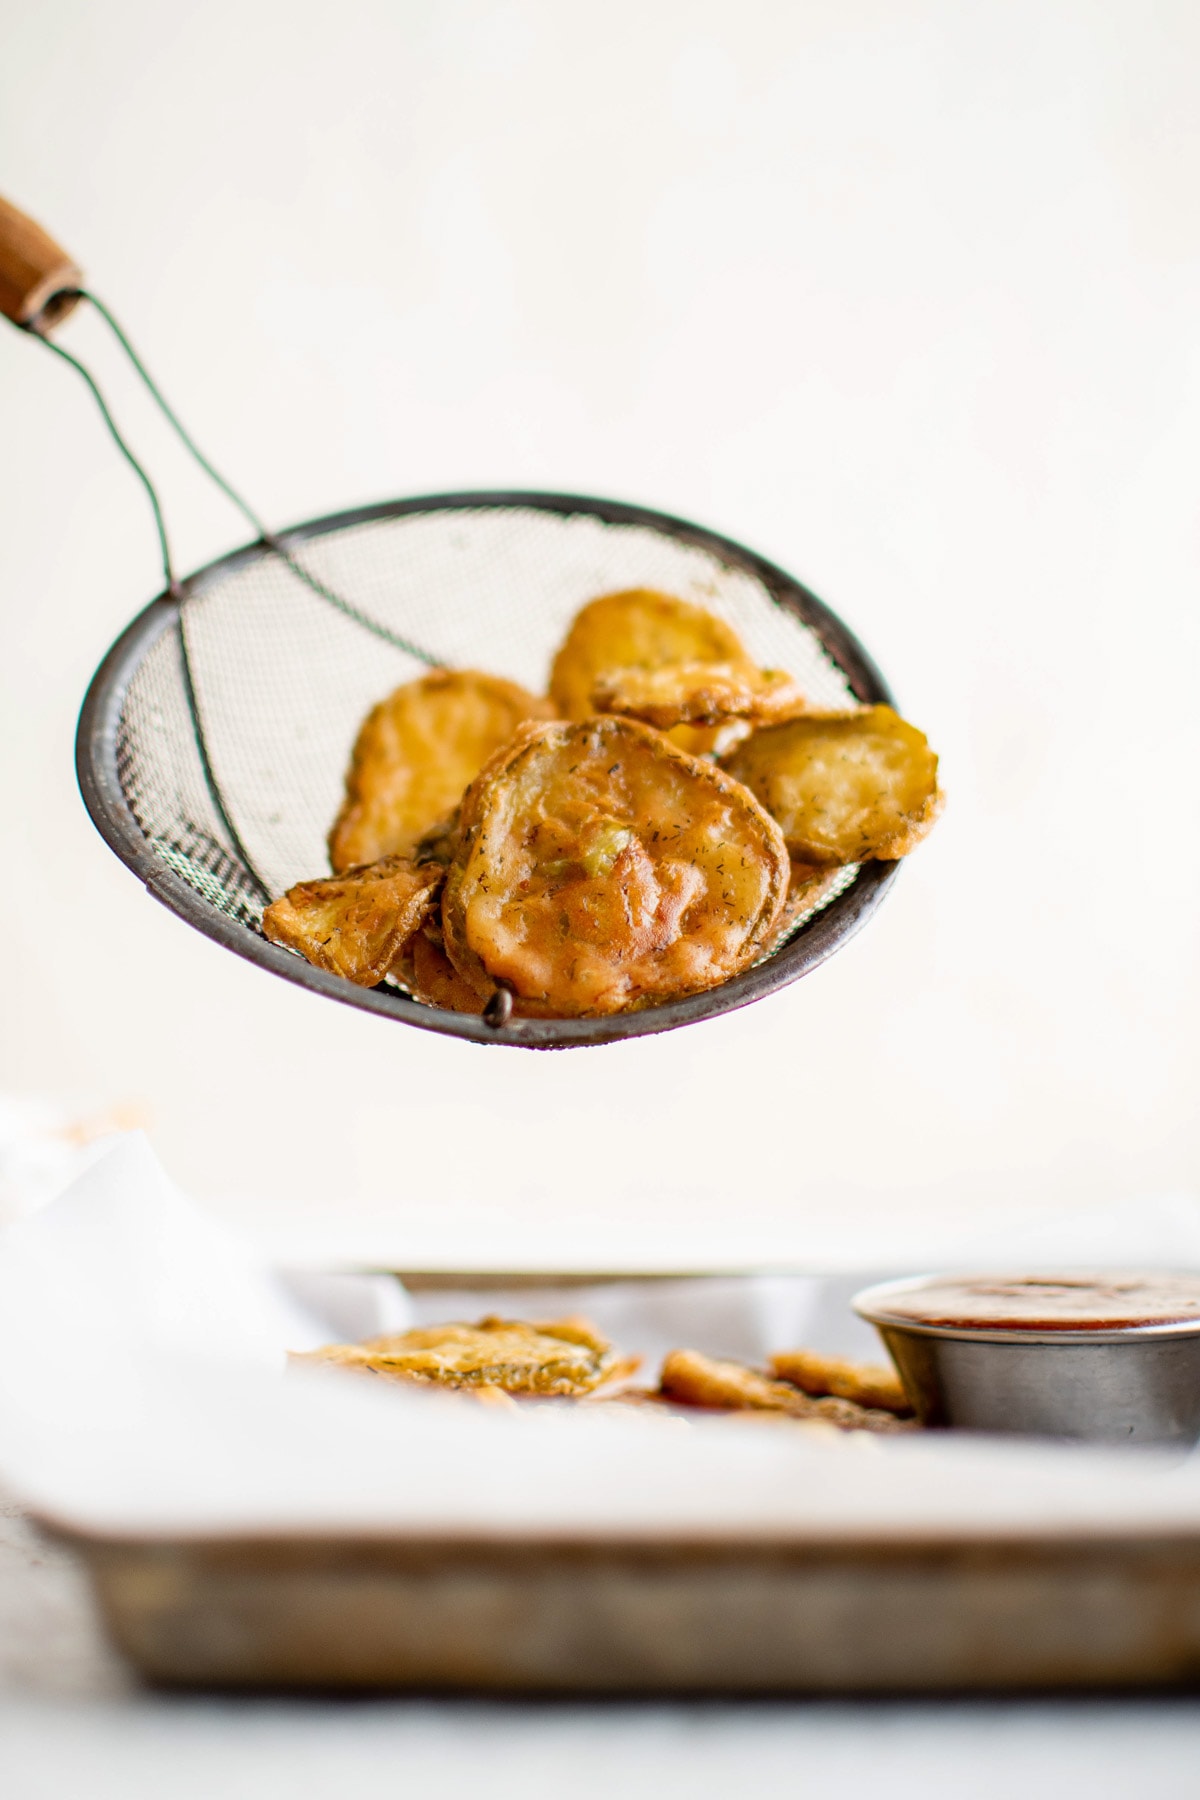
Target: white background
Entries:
(904, 293)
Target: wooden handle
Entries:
(32, 271)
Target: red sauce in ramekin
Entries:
(1063, 1302)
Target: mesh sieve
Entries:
(214, 738)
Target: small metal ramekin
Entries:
(1136, 1384)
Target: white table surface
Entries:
(74, 1725)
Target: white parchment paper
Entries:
(143, 1390)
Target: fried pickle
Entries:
(699, 693)
(845, 787)
(635, 629)
(563, 1358)
(697, 1380)
(867, 1384)
(357, 924)
(415, 753)
(599, 869)
(640, 628)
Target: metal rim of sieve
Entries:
(107, 803)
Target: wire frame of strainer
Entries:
(214, 739)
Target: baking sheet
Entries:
(142, 1391)
(248, 1526)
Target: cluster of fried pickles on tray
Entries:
(502, 1361)
(655, 825)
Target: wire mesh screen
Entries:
(236, 723)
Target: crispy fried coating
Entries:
(845, 787)
(636, 629)
(715, 741)
(697, 1380)
(699, 693)
(564, 1357)
(438, 844)
(433, 978)
(415, 753)
(600, 868)
(357, 924)
(867, 1384)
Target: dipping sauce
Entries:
(1062, 1302)
(1107, 1356)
